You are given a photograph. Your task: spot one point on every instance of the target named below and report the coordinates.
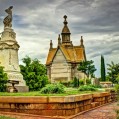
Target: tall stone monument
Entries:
(9, 53)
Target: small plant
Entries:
(95, 86)
(88, 81)
(87, 88)
(53, 88)
(81, 82)
(76, 82)
(3, 80)
(67, 83)
(117, 88)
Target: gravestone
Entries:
(95, 81)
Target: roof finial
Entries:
(71, 43)
(65, 21)
(59, 40)
(51, 44)
(81, 41)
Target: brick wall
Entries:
(54, 105)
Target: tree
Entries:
(103, 77)
(113, 71)
(87, 68)
(3, 80)
(34, 73)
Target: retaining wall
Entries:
(54, 105)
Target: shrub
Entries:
(88, 81)
(81, 82)
(87, 88)
(95, 86)
(67, 84)
(3, 80)
(53, 88)
(75, 82)
(117, 88)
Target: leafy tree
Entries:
(113, 71)
(34, 73)
(103, 77)
(87, 68)
(3, 80)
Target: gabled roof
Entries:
(50, 55)
(73, 54)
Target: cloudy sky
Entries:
(36, 22)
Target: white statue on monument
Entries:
(9, 53)
(8, 19)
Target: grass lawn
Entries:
(68, 91)
(4, 117)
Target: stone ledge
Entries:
(54, 105)
(23, 99)
(103, 94)
(44, 99)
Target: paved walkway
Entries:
(104, 112)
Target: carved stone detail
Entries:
(8, 19)
(7, 46)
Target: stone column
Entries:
(9, 58)
(9, 53)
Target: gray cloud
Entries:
(37, 22)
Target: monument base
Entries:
(17, 76)
(19, 88)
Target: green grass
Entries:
(4, 117)
(68, 91)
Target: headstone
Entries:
(9, 53)
(95, 81)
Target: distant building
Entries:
(62, 62)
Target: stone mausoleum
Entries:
(62, 61)
(9, 53)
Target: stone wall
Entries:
(54, 105)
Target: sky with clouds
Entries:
(36, 22)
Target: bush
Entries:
(34, 73)
(88, 81)
(117, 88)
(53, 88)
(75, 82)
(3, 80)
(87, 88)
(67, 84)
(81, 82)
(95, 86)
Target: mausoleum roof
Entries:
(73, 54)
